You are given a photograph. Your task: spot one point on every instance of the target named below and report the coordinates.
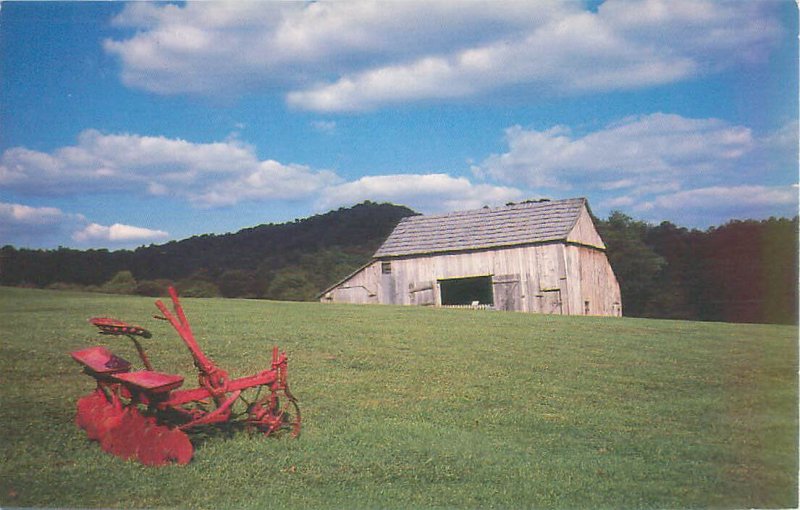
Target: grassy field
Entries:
(412, 407)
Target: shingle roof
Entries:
(525, 223)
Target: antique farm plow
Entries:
(143, 415)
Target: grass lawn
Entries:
(414, 407)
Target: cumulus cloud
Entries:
(207, 174)
(661, 166)
(727, 197)
(218, 174)
(423, 192)
(27, 216)
(25, 225)
(215, 47)
(713, 205)
(269, 180)
(345, 56)
(117, 233)
(648, 151)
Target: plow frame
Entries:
(142, 414)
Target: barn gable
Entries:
(543, 257)
(584, 232)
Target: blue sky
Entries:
(124, 124)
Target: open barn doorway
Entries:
(466, 291)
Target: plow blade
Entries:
(128, 434)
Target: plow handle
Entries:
(181, 325)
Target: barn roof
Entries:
(525, 223)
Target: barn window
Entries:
(465, 291)
(386, 267)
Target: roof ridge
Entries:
(486, 209)
(512, 224)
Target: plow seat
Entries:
(150, 381)
(100, 360)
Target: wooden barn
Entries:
(541, 257)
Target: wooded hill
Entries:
(290, 261)
(743, 271)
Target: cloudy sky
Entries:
(124, 124)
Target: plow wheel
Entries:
(274, 414)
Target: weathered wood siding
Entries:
(361, 288)
(584, 232)
(594, 289)
(545, 278)
(571, 275)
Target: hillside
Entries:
(408, 407)
(289, 261)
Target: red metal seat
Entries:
(150, 381)
(100, 360)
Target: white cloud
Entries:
(27, 216)
(215, 175)
(728, 197)
(650, 151)
(24, 225)
(784, 139)
(575, 53)
(714, 205)
(618, 202)
(216, 47)
(270, 180)
(422, 192)
(207, 174)
(344, 56)
(696, 172)
(117, 233)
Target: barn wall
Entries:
(584, 232)
(364, 287)
(594, 289)
(548, 278)
(572, 277)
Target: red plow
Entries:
(142, 414)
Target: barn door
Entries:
(551, 302)
(507, 292)
(422, 293)
(549, 273)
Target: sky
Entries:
(129, 124)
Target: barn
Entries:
(539, 256)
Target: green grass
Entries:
(413, 407)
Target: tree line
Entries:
(743, 271)
(289, 261)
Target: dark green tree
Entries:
(291, 284)
(122, 283)
(635, 264)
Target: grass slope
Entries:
(412, 407)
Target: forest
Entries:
(742, 271)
